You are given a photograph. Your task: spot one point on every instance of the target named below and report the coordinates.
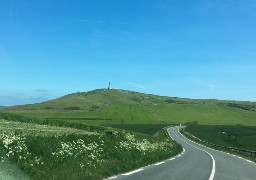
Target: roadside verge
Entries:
(240, 153)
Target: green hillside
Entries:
(114, 106)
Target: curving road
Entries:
(196, 162)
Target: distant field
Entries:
(80, 119)
(242, 137)
(208, 114)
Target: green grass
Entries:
(126, 107)
(242, 137)
(208, 114)
(205, 114)
(143, 113)
(52, 152)
(138, 112)
(77, 120)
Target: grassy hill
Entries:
(70, 118)
(93, 100)
(106, 107)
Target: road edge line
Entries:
(132, 172)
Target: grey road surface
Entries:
(196, 163)
(9, 171)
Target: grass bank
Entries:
(236, 139)
(53, 152)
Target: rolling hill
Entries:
(103, 106)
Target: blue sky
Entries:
(181, 48)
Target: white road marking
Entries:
(132, 172)
(183, 152)
(157, 164)
(213, 160)
(113, 177)
(213, 167)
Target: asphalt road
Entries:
(9, 171)
(196, 162)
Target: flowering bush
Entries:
(16, 148)
(143, 146)
(91, 152)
